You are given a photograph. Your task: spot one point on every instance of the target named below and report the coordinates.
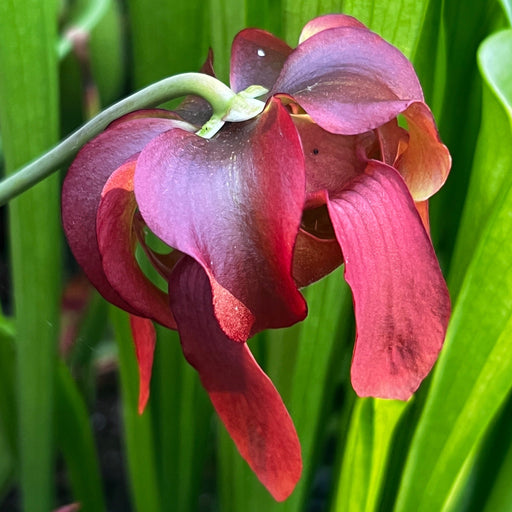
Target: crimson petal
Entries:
(401, 301)
(233, 203)
(144, 337)
(81, 191)
(349, 80)
(256, 59)
(243, 396)
(116, 243)
(426, 162)
(326, 22)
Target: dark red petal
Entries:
(144, 337)
(331, 160)
(244, 397)
(257, 58)
(314, 258)
(326, 22)
(426, 162)
(116, 243)
(82, 188)
(349, 80)
(233, 203)
(401, 301)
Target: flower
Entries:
(324, 175)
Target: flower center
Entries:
(316, 221)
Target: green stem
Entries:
(219, 95)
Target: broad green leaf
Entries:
(366, 454)
(138, 433)
(493, 158)
(458, 105)
(474, 372)
(507, 7)
(166, 38)
(29, 121)
(500, 498)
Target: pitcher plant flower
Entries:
(335, 166)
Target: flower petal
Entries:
(233, 203)
(256, 59)
(116, 243)
(326, 22)
(426, 162)
(314, 258)
(349, 80)
(244, 397)
(401, 301)
(82, 188)
(144, 337)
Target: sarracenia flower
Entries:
(322, 174)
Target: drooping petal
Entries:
(244, 397)
(144, 338)
(234, 204)
(426, 162)
(349, 80)
(116, 243)
(256, 59)
(401, 301)
(84, 182)
(326, 22)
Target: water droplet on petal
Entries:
(261, 53)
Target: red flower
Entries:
(324, 175)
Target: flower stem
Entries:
(219, 95)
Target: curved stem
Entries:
(215, 92)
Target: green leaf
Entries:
(166, 39)
(500, 498)
(366, 454)
(8, 426)
(138, 433)
(29, 121)
(182, 416)
(74, 437)
(474, 372)
(493, 158)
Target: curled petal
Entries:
(116, 243)
(426, 162)
(326, 22)
(144, 337)
(349, 80)
(233, 203)
(401, 301)
(314, 258)
(243, 396)
(393, 141)
(84, 182)
(256, 59)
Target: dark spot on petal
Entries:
(315, 151)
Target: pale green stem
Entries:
(219, 95)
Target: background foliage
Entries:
(69, 428)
